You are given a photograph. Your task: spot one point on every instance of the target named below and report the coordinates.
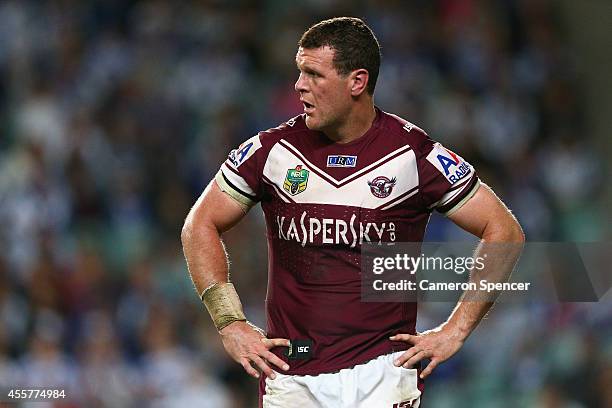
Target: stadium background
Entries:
(114, 115)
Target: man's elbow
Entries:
(507, 229)
(185, 231)
(198, 227)
(192, 224)
(516, 233)
(512, 230)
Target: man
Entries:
(342, 173)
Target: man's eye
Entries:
(311, 74)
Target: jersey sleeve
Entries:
(240, 175)
(446, 180)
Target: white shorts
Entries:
(375, 384)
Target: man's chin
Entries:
(312, 123)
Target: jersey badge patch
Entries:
(296, 180)
(381, 186)
(339, 160)
(244, 151)
(300, 350)
(448, 163)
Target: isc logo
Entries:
(403, 404)
(300, 349)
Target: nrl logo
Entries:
(381, 186)
(296, 180)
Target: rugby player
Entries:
(342, 173)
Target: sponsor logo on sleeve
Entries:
(382, 186)
(451, 165)
(296, 180)
(244, 151)
(338, 160)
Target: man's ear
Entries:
(359, 81)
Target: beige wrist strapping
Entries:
(223, 304)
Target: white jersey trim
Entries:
(347, 179)
(237, 181)
(232, 192)
(400, 167)
(463, 200)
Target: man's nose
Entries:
(300, 84)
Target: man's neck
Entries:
(358, 122)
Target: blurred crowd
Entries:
(114, 115)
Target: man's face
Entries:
(325, 94)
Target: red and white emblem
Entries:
(381, 186)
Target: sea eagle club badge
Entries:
(382, 186)
(296, 180)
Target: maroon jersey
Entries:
(321, 201)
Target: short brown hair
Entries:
(353, 42)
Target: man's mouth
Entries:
(307, 107)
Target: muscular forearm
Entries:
(499, 249)
(205, 254)
(212, 214)
(485, 216)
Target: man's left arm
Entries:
(485, 216)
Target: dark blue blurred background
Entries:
(114, 115)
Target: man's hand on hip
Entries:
(438, 345)
(246, 344)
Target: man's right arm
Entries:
(214, 213)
